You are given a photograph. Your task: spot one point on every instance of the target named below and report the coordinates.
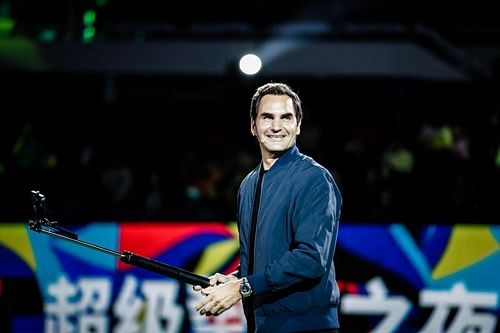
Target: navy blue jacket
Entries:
(294, 284)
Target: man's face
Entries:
(275, 126)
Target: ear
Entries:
(298, 127)
(253, 129)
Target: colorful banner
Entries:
(434, 278)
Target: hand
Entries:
(219, 298)
(217, 279)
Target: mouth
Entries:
(276, 137)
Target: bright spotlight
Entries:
(250, 64)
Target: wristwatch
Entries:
(245, 288)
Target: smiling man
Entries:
(288, 217)
(276, 127)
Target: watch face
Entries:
(245, 289)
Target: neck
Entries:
(267, 163)
(269, 158)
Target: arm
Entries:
(315, 223)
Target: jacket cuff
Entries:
(258, 283)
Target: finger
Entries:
(221, 311)
(218, 278)
(197, 288)
(202, 311)
(223, 278)
(203, 302)
(213, 281)
(216, 309)
(207, 291)
(206, 310)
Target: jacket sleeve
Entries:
(314, 226)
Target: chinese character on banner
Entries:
(465, 320)
(394, 309)
(88, 313)
(153, 310)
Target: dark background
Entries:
(107, 130)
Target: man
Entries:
(288, 215)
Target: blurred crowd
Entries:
(410, 166)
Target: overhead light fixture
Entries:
(250, 64)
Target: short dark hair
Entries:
(273, 88)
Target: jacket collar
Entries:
(285, 159)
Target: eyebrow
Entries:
(283, 115)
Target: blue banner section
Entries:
(429, 279)
(433, 278)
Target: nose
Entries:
(276, 124)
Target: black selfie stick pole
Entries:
(43, 225)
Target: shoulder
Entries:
(310, 168)
(313, 175)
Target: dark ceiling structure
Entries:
(417, 39)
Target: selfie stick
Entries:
(42, 225)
